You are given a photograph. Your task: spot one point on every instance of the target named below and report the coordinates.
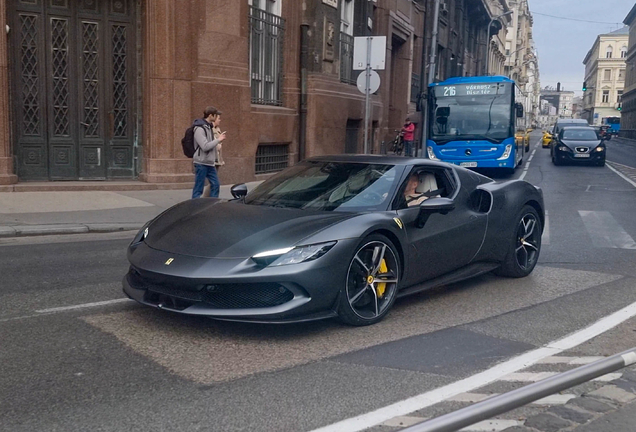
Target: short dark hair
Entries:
(211, 111)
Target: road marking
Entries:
(492, 426)
(82, 306)
(527, 166)
(407, 406)
(605, 232)
(557, 399)
(404, 421)
(545, 237)
(527, 376)
(623, 176)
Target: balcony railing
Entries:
(346, 58)
(266, 57)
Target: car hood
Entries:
(218, 229)
(572, 144)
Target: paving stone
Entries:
(547, 423)
(592, 405)
(403, 421)
(628, 386)
(614, 393)
(571, 414)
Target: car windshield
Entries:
(328, 186)
(580, 135)
(472, 112)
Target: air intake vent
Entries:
(481, 201)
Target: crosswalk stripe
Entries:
(605, 232)
(545, 238)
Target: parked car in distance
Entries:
(546, 139)
(576, 144)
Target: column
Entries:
(7, 175)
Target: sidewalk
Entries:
(72, 212)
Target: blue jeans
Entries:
(408, 148)
(201, 173)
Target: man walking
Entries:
(206, 153)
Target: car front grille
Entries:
(218, 296)
(582, 149)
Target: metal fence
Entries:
(346, 59)
(271, 158)
(266, 57)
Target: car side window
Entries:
(421, 184)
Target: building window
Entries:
(619, 97)
(621, 74)
(607, 75)
(266, 52)
(271, 158)
(605, 96)
(609, 52)
(346, 42)
(415, 87)
(623, 52)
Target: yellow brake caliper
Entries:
(382, 286)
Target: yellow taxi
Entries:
(523, 137)
(545, 140)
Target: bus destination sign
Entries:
(469, 90)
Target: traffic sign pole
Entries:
(367, 94)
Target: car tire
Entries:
(601, 163)
(555, 160)
(364, 300)
(524, 245)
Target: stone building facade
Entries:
(605, 76)
(628, 113)
(104, 89)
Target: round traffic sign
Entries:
(374, 82)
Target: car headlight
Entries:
(142, 234)
(431, 153)
(563, 148)
(599, 149)
(292, 255)
(506, 153)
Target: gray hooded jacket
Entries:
(205, 145)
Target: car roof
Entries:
(559, 121)
(377, 159)
(578, 128)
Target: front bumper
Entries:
(237, 289)
(572, 157)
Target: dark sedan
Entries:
(578, 144)
(334, 236)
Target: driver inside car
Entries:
(419, 188)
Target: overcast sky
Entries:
(562, 44)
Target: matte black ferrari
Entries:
(337, 236)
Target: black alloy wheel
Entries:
(372, 282)
(525, 247)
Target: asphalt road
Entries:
(111, 365)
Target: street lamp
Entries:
(489, 36)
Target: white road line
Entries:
(492, 426)
(527, 166)
(82, 306)
(605, 232)
(528, 376)
(545, 237)
(623, 176)
(407, 406)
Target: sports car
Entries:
(334, 236)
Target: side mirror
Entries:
(239, 191)
(442, 112)
(519, 109)
(434, 205)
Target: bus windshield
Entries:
(472, 112)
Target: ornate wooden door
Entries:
(74, 72)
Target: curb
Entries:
(41, 230)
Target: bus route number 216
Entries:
(450, 91)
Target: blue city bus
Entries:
(473, 120)
(614, 123)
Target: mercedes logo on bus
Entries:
(469, 152)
